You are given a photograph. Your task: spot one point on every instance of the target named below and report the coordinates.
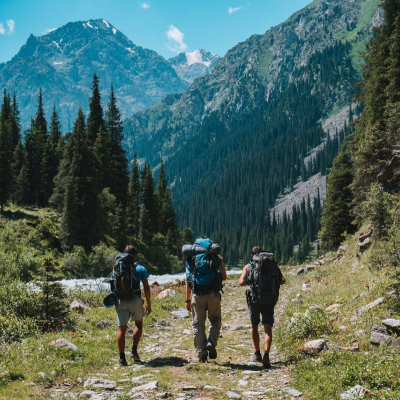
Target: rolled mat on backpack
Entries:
(190, 250)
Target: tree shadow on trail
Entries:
(166, 362)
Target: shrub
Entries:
(75, 262)
(18, 310)
(308, 325)
(101, 260)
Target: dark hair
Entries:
(255, 250)
(130, 249)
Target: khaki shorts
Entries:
(127, 309)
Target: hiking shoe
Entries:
(257, 356)
(122, 361)
(203, 358)
(212, 352)
(135, 355)
(265, 361)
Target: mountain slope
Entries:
(237, 139)
(252, 70)
(62, 63)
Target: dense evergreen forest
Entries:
(364, 181)
(84, 176)
(229, 175)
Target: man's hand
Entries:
(148, 309)
(189, 306)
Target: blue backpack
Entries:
(203, 272)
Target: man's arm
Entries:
(147, 294)
(243, 277)
(188, 298)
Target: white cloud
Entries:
(231, 10)
(175, 40)
(145, 5)
(10, 24)
(46, 31)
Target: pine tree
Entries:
(118, 162)
(102, 151)
(5, 151)
(166, 214)
(336, 216)
(37, 162)
(147, 216)
(53, 304)
(133, 206)
(95, 119)
(81, 217)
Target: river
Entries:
(100, 284)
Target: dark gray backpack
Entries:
(264, 278)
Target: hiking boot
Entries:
(257, 356)
(212, 352)
(265, 361)
(135, 355)
(203, 358)
(122, 361)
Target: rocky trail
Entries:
(169, 367)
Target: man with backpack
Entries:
(127, 275)
(205, 271)
(264, 277)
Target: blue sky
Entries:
(166, 26)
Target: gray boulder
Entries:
(79, 306)
(100, 384)
(316, 345)
(380, 335)
(392, 324)
(355, 392)
(63, 344)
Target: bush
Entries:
(76, 262)
(308, 325)
(18, 310)
(101, 260)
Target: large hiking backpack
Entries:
(203, 272)
(124, 283)
(264, 278)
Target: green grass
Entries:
(328, 374)
(21, 362)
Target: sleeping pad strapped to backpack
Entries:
(264, 278)
(203, 272)
(124, 283)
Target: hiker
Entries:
(205, 272)
(264, 277)
(127, 277)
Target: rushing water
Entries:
(101, 283)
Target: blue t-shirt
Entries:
(141, 272)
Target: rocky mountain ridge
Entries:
(63, 62)
(252, 70)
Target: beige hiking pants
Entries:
(201, 305)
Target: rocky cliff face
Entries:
(252, 70)
(62, 63)
(190, 66)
